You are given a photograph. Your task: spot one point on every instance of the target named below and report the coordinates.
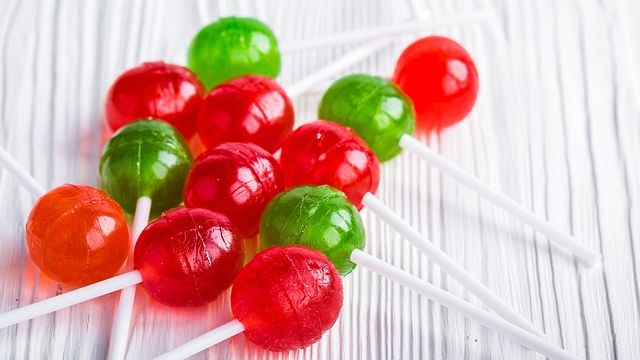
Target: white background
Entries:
(557, 127)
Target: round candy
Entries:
(250, 108)
(187, 257)
(319, 217)
(287, 297)
(232, 47)
(440, 77)
(146, 158)
(236, 179)
(326, 153)
(164, 91)
(77, 235)
(374, 108)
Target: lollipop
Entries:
(92, 241)
(145, 158)
(77, 235)
(334, 221)
(339, 105)
(287, 297)
(329, 223)
(440, 77)
(205, 240)
(325, 153)
(237, 179)
(232, 47)
(143, 167)
(163, 91)
(284, 299)
(249, 108)
(371, 106)
(184, 258)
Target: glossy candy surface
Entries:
(326, 153)
(232, 47)
(145, 158)
(187, 257)
(250, 108)
(77, 235)
(236, 179)
(440, 77)
(372, 107)
(287, 297)
(164, 91)
(319, 217)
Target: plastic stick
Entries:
(23, 176)
(124, 311)
(336, 67)
(538, 223)
(469, 310)
(447, 264)
(74, 297)
(369, 34)
(204, 341)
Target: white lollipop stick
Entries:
(452, 302)
(538, 223)
(204, 341)
(23, 177)
(74, 297)
(365, 35)
(124, 312)
(336, 67)
(447, 264)
(365, 51)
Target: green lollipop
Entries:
(319, 217)
(231, 47)
(146, 158)
(374, 108)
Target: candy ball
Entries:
(319, 217)
(77, 235)
(164, 91)
(187, 257)
(236, 179)
(232, 47)
(287, 297)
(250, 108)
(372, 107)
(326, 153)
(440, 77)
(146, 158)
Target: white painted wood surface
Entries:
(557, 127)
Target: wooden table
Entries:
(556, 127)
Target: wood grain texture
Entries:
(556, 127)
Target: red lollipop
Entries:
(187, 257)
(325, 153)
(163, 91)
(251, 108)
(440, 77)
(287, 297)
(236, 179)
(284, 299)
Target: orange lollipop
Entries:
(77, 235)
